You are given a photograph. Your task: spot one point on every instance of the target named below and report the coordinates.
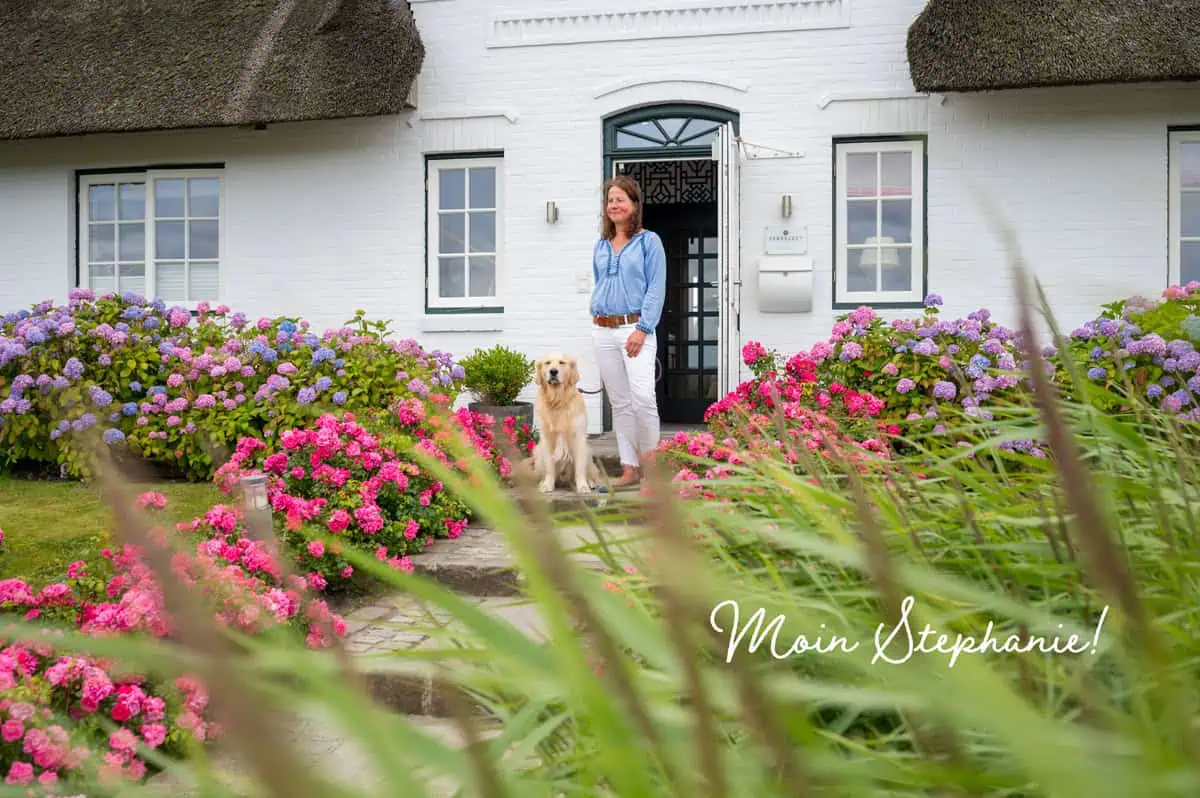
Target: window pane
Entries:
(483, 232)
(132, 241)
(452, 277)
(483, 188)
(202, 281)
(203, 197)
(710, 357)
(1189, 213)
(452, 189)
(860, 175)
(1189, 261)
(896, 169)
(132, 278)
(101, 279)
(861, 273)
(202, 240)
(710, 270)
(1189, 166)
(168, 198)
(133, 201)
(101, 243)
(711, 325)
(860, 221)
(452, 232)
(699, 133)
(673, 126)
(897, 220)
(169, 281)
(896, 268)
(693, 270)
(627, 142)
(483, 275)
(102, 203)
(168, 240)
(644, 134)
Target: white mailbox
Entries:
(785, 284)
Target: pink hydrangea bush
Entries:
(162, 384)
(338, 477)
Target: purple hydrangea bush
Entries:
(926, 369)
(181, 389)
(1144, 350)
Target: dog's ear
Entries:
(539, 377)
(572, 372)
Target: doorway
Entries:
(671, 151)
(681, 207)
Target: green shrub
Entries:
(497, 375)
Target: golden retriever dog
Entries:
(562, 452)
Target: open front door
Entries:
(729, 211)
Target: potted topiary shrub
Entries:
(496, 376)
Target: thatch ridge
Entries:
(70, 67)
(977, 45)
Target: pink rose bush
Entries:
(790, 388)
(341, 479)
(164, 385)
(806, 434)
(415, 421)
(51, 704)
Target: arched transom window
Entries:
(667, 132)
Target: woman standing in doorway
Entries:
(629, 265)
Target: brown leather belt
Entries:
(615, 321)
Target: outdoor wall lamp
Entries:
(551, 212)
(785, 206)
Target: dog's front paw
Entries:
(583, 487)
(546, 486)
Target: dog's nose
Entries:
(553, 372)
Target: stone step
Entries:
(479, 562)
(379, 637)
(317, 739)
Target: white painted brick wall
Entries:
(324, 218)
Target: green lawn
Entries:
(50, 524)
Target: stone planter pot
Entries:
(522, 411)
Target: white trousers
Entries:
(630, 385)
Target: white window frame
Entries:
(148, 176)
(1175, 202)
(432, 272)
(916, 292)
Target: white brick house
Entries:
(466, 215)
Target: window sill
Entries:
(905, 304)
(466, 322)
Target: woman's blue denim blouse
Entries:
(631, 281)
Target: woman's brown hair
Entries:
(630, 187)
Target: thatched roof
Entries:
(89, 66)
(975, 45)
